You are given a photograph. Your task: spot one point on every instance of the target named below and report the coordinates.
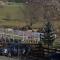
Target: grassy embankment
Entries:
(13, 16)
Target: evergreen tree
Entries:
(49, 36)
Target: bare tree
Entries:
(32, 11)
(38, 8)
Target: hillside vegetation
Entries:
(21, 14)
(12, 15)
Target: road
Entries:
(7, 58)
(24, 58)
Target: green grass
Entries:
(14, 13)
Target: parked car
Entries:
(12, 51)
(1, 51)
(15, 49)
(5, 51)
(54, 56)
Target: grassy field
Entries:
(13, 16)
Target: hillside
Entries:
(12, 15)
(37, 12)
(42, 10)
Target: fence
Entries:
(38, 50)
(24, 36)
